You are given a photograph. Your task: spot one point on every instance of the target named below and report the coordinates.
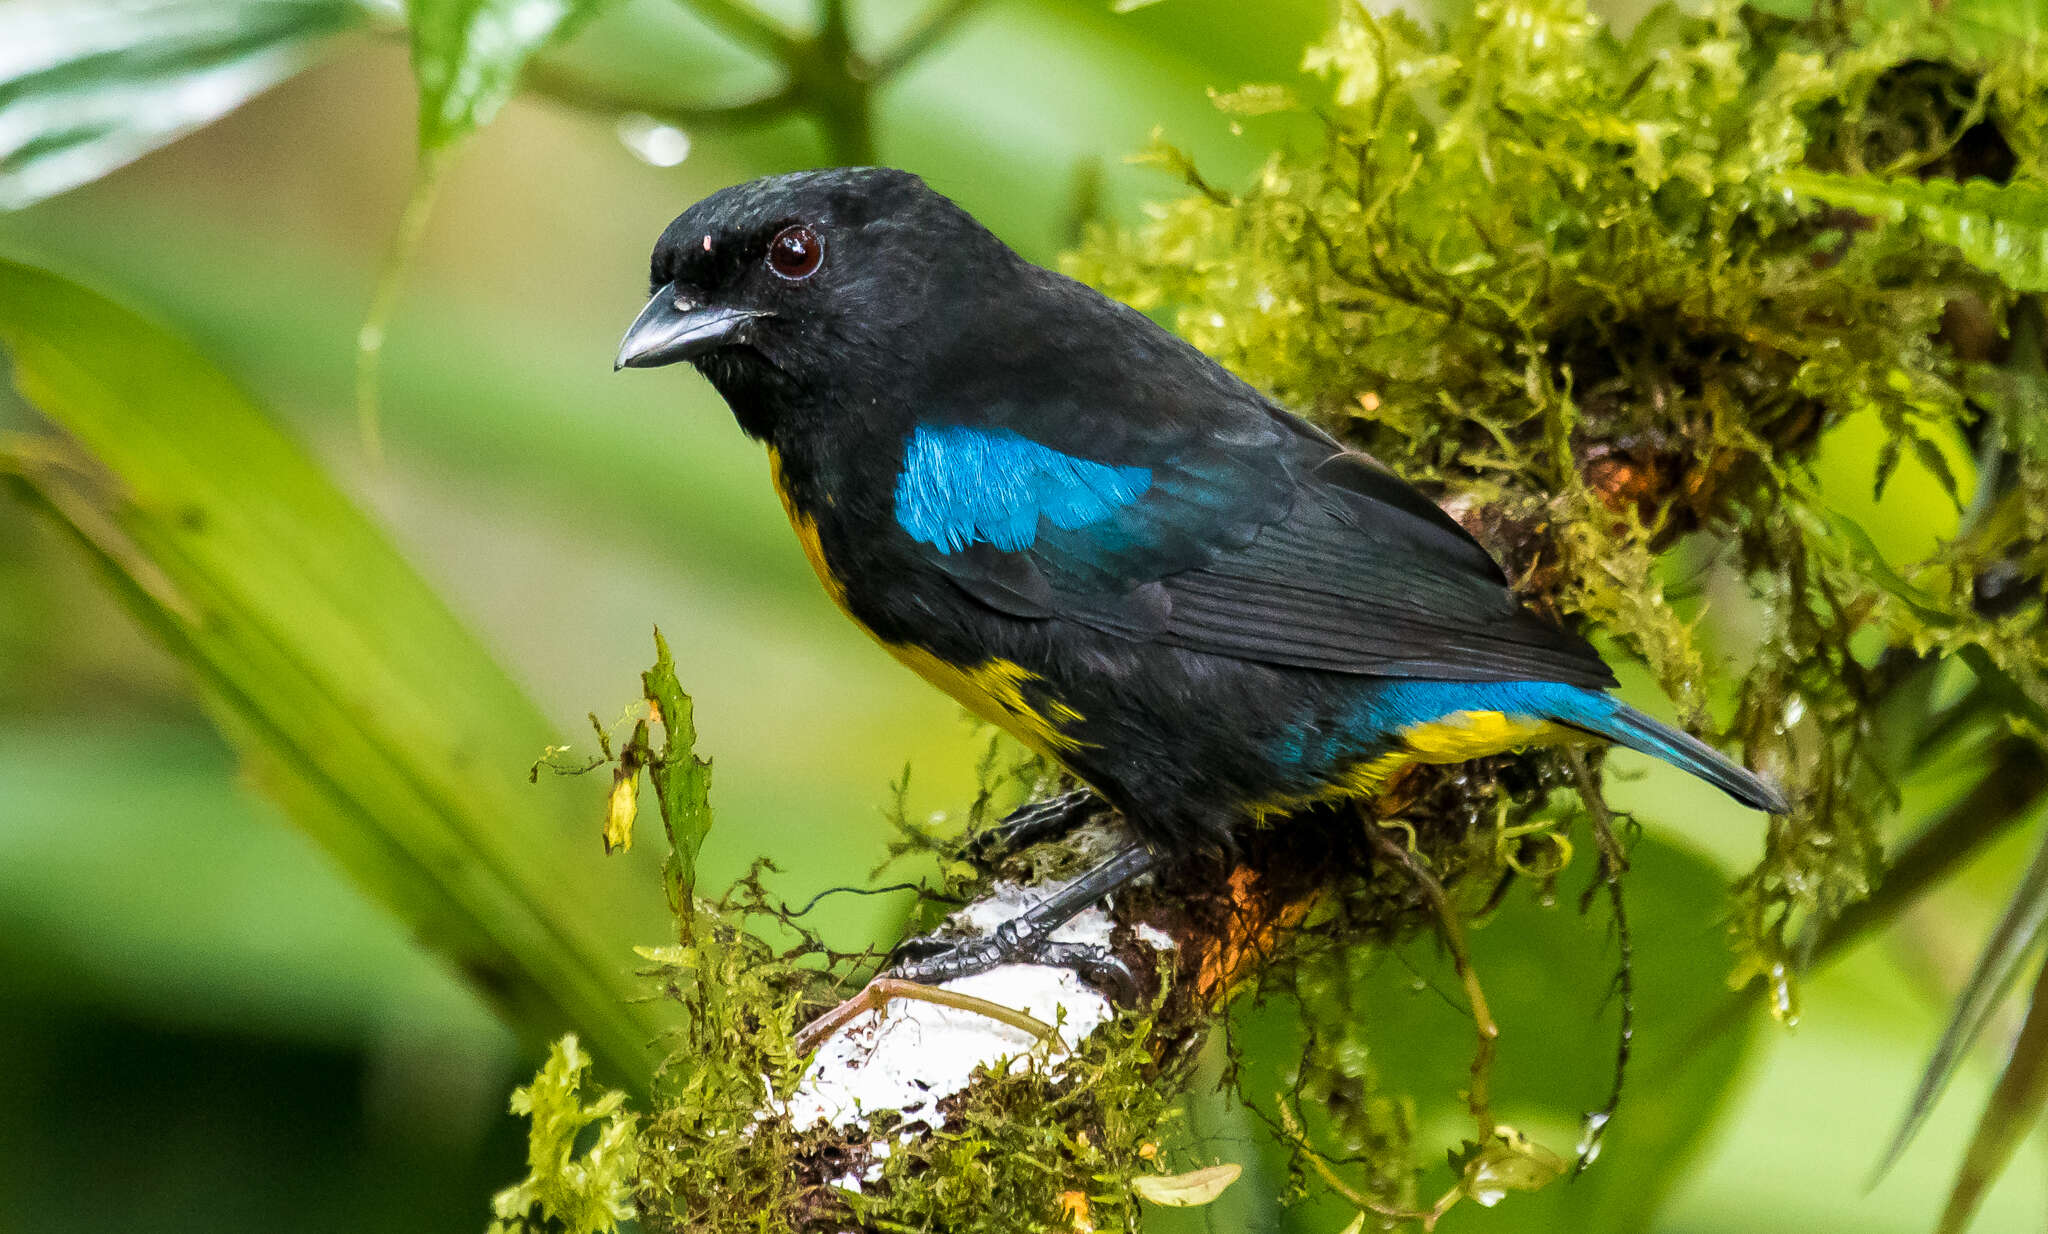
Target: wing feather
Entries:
(1296, 555)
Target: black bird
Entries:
(1094, 536)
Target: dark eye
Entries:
(796, 252)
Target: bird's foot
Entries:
(923, 962)
(927, 960)
(1036, 822)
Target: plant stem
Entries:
(747, 24)
(582, 93)
(927, 34)
(405, 243)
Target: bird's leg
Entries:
(1025, 937)
(1037, 821)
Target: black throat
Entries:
(760, 395)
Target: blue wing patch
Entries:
(963, 485)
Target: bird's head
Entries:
(784, 289)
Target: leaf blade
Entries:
(86, 89)
(1190, 1190)
(2015, 1106)
(380, 723)
(2012, 940)
(2001, 229)
(467, 56)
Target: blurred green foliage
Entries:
(170, 953)
(357, 700)
(1642, 329)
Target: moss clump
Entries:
(1563, 277)
(1607, 297)
(568, 1188)
(1021, 1155)
(1019, 1152)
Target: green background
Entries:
(206, 1028)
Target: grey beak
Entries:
(671, 329)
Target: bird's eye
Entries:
(796, 252)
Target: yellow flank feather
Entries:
(1361, 779)
(807, 535)
(993, 689)
(1453, 739)
(1473, 734)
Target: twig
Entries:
(936, 25)
(405, 243)
(1613, 864)
(1454, 938)
(747, 24)
(571, 89)
(1298, 1135)
(878, 993)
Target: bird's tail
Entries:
(1624, 725)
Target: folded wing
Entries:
(1265, 543)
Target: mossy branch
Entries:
(1556, 276)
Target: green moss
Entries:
(1562, 277)
(1605, 297)
(567, 1189)
(1019, 1154)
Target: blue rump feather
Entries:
(963, 485)
(1387, 707)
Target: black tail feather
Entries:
(1631, 728)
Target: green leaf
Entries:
(1190, 1190)
(1506, 1161)
(467, 54)
(1871, 559)
(564, 1190)
(2011, 941)
(359, 701)
(1999, 228)
(88, 87)
(682, 781)
(2015, 1107)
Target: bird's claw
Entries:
(930, 961)
(1034, 822)
(1099, 966)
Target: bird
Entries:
(1092, 535)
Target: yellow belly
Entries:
(993, 689)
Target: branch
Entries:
(602, 98)
(748, 25)
(928, 33)
(897, 1071)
